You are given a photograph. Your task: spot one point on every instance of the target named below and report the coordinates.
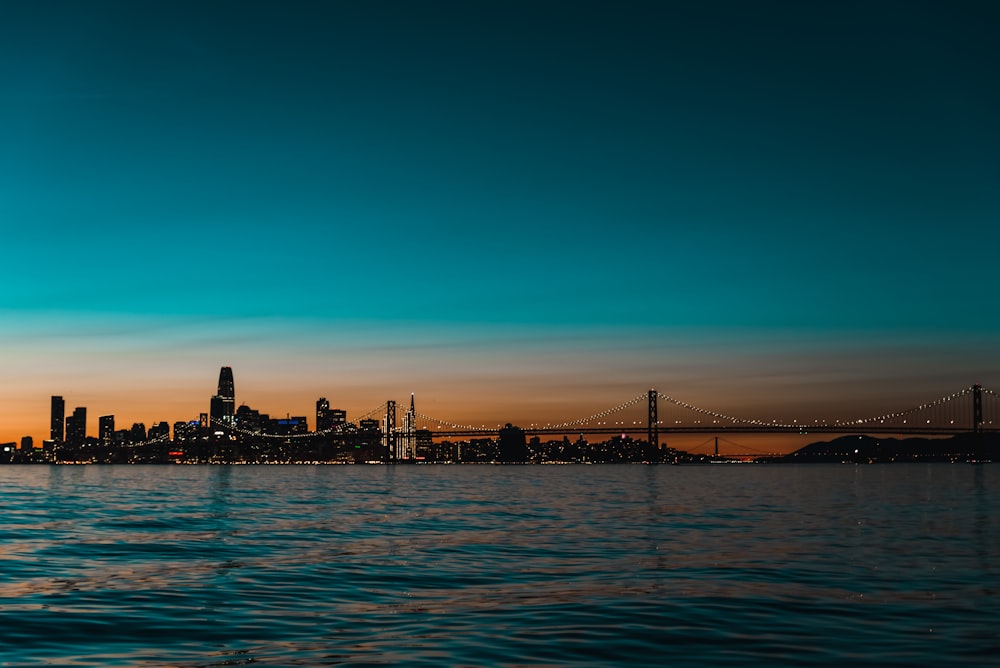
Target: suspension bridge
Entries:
(653, 414)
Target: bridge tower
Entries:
(977, 408)
(390, 431)
(653, 424)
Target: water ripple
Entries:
(506, 566)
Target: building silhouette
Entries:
(226, 386)
(286, 426)
(185, 430)
(249, 419)
(223, 405)
(159, 430)
(328, 418)
(512, 447)
(323, 420)
(76, 427)
(137, 434)
(406, 439)
(57, 419)
(106, 429)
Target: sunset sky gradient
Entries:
(520, 211)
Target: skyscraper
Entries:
(223, 404)
(226, 385)
(57, 419)
(322, 414)
(406, 441)
(106, 429)
(76, 426)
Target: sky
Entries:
(519, 211)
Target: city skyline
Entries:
(222, 413)
(521, 212)
(958, 426)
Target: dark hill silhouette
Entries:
(960, 447)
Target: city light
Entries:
(257, 437)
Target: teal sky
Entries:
(496, 202)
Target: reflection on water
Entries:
(484, 565)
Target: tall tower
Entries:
(323, 418)
(389, 430)
(977, 408)
(76, 426)
(223, 405)
(227, 388)
(406, 444)
(106, 429)
(652, 422)
(57, 419)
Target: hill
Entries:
(961, 447)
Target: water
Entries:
(499, 566)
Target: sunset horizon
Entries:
(520, 212)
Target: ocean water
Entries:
(742, 565)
